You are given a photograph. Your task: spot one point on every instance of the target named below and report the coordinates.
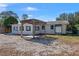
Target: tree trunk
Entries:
(33, 29)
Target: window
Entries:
(51, 26)
(15, 28)
(22, 28)
(28, 28)
(37, 28)
(43, 27)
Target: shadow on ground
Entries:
(40, 39)
(45, 41)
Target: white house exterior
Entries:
(58, 27)
(16, 29)
(52, 27)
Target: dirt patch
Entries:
(14, 52)
(14, 45)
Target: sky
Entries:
(41, 11)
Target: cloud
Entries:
(30, 15)
(30, 9)
(45, 18)
(3, 7)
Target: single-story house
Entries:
(31, 26)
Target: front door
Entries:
(58, 29)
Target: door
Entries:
(58, 29)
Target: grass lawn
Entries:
(66, 38)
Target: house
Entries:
(56, 27)
(31, 26)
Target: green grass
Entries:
(66, 38)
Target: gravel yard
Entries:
(14, 45)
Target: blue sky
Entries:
(41, 11)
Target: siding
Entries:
(24, 32)
(47, 30)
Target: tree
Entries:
(58, 19)
(77, 17)
(24, 16)
(62, 16)
(6, 14)
(77, 26)
(9, 21)
(1, 22)
(72, 18)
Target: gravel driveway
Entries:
(34, 47)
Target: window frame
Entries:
(43, 27)
(29, 28)
(15, 28)
(51, 27)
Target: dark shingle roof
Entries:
(31, 21)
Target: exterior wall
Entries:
(37, 31)
(47, 30)
(24, 32)
(15, 25)
(40, 31)
(54, 23)
(53, 31)
(28, 32)
(58, 29)
(64, 28)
